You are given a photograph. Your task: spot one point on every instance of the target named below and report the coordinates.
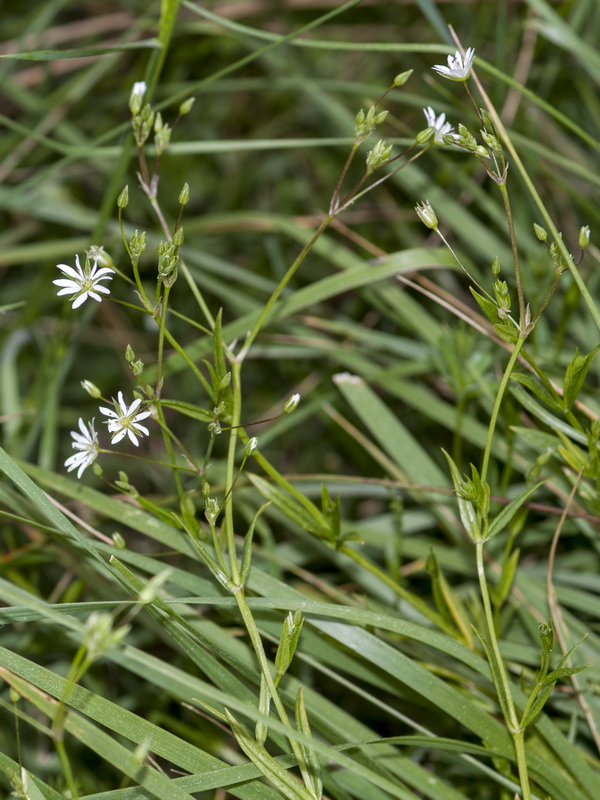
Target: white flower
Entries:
(87, 444)
(441, 127)
(83, 283)
(124, 421)
(458, 69)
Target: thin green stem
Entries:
(282, 284)
(259, 650)
(515, 252)
(499, 672)
(161, 338)
(236, 408)
(594, 311)
(169, 448)
(495, 411)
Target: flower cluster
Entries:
(122, 421)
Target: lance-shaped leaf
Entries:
(281, 779)
(509, 511)
(575, 375)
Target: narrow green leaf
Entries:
(575, 375)
(539, 389)
(311, 758)
(509, 511)
(273, 772)
(314, 523)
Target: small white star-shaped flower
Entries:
(86, 443)
(125, 421)
(439, 124)
(458, 68)
(83, 283)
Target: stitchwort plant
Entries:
(335, 537)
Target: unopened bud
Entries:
(119, 541)
(584, 236)
(92, 389)
(251, 446)
(225, 380)
(123, 198)
(401, 79)
(136, 98)
(100, 256)
(540, 232)
(184, 194)
(425, 135)
(291, 404)
(186, 106)
(427, 215)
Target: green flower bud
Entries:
(136, 98)
(425, 135)
(119, 541)
(186, 106)
(401, 79)
(584, 236)
(184, 195)
(250, 447)
(92, 389)
(100, 256)
(427, 215)
(291, 404)
(123, 198)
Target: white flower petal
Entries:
(69, 271)
(133, 437)
(118, 436)
(79, 300)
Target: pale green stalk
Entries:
(496, 410)
(499, 671)
(539, 203)
(264, 314)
